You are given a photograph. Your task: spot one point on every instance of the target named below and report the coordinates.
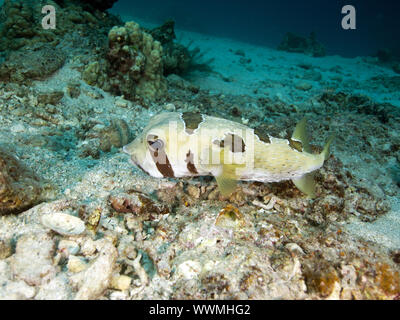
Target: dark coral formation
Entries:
(21, 23)
(31, 52)
(19, 187)
(132, 65)
(292, 42)
(178, 58)
(164, 33)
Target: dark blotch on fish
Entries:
(296, 145)
(162, 163)
(192, 121)
(262, 136)
(190, 164)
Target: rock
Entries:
(20, 188)
(240, 52)
(88, 247)
(97, 277)
(63, 223)
(56, 289)
(17, 290)
(73, 89)
(68, 246)
(118, 295)
(305, 86)
(137, 203)
(76, 264)
(312, 75)
(121, 282)
(122, 103)
(322, 279)
(189, 269)
(111, 133)
(294, 248)
(33, 258)
(53, 97)
(193, 191)
(5, 249)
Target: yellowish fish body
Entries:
(190, 144)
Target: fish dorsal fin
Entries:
(306, 184)
(300, 134)
(325, 152)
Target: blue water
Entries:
(265, 22)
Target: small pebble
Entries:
(121, 282)
(63, 223)
(76, 264)
(189, 269)
(193, 191)
(68, 245)
(5, 249)
(303, 86)
(294, 248)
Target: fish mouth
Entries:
(124, 149)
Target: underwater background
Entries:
(265, 22)
(78, 218)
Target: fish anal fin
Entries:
(306, 184)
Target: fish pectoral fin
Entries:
(226, 185)
(228, 178)
(225, 174)
(306, 184)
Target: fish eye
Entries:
(156, 144)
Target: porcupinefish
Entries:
(192, 144)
